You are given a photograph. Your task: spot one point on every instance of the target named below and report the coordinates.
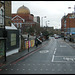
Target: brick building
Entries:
(23, 19)
(7, 13)
(12, 35)
(68, 25)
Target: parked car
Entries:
(56, 37)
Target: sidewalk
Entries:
(70, 43)
(13, 57)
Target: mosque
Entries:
(23, 19)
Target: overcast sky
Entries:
(53, 10)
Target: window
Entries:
(1, 12)
(13, 39)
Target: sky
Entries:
(53, 10)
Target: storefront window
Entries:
(13, 39)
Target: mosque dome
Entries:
(23, 10)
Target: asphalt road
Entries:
(54, 57)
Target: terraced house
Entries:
(8, 30)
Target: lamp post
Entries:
(4, 34)
(42, 20)
(46, 24)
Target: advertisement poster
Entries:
(27, 43)
(32, 43)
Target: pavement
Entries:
(72, 44)
(16, 56)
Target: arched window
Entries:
(2, 12)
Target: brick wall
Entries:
(8, 12)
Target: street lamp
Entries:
(46, 24)
(42, 20)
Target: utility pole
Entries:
(4, 34)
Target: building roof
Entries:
(23, 10)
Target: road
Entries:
(54, 57)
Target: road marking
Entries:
(62, 46)
(44, 51)
(55, 49)
(64, 69)
(29, 69)
(53, 58)
(23, 64)
(17, 69)
(46, 69)
(23, 69)
(70, 69)
(10, 64)
(33, 64)
(43, 64)
(41, 69)
(59, 70)
(35, 69)
(6, 69)
(11, 69)
(63, 58)
(38, 64)
(28, 64)
(54, 52)
(48, 64)
(53, 69)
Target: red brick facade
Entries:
(67, 22)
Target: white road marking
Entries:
(6, 69)
(28, 64)
(53, 58)
(70, 69)
(11, 69)
(23, 64)
(10, 64)
(23, 69)
(48, 64)
(55, 49)
(38, 64)
(54, 52)
(43, 64)
(29, 69)
(59, 70)
(64, 69)
(64, 59)
(46, 69)
(44, 51)
(35, 69)
(33, 64)
(17, 69)
(53, 69)
(41, 69)
(62, 46)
